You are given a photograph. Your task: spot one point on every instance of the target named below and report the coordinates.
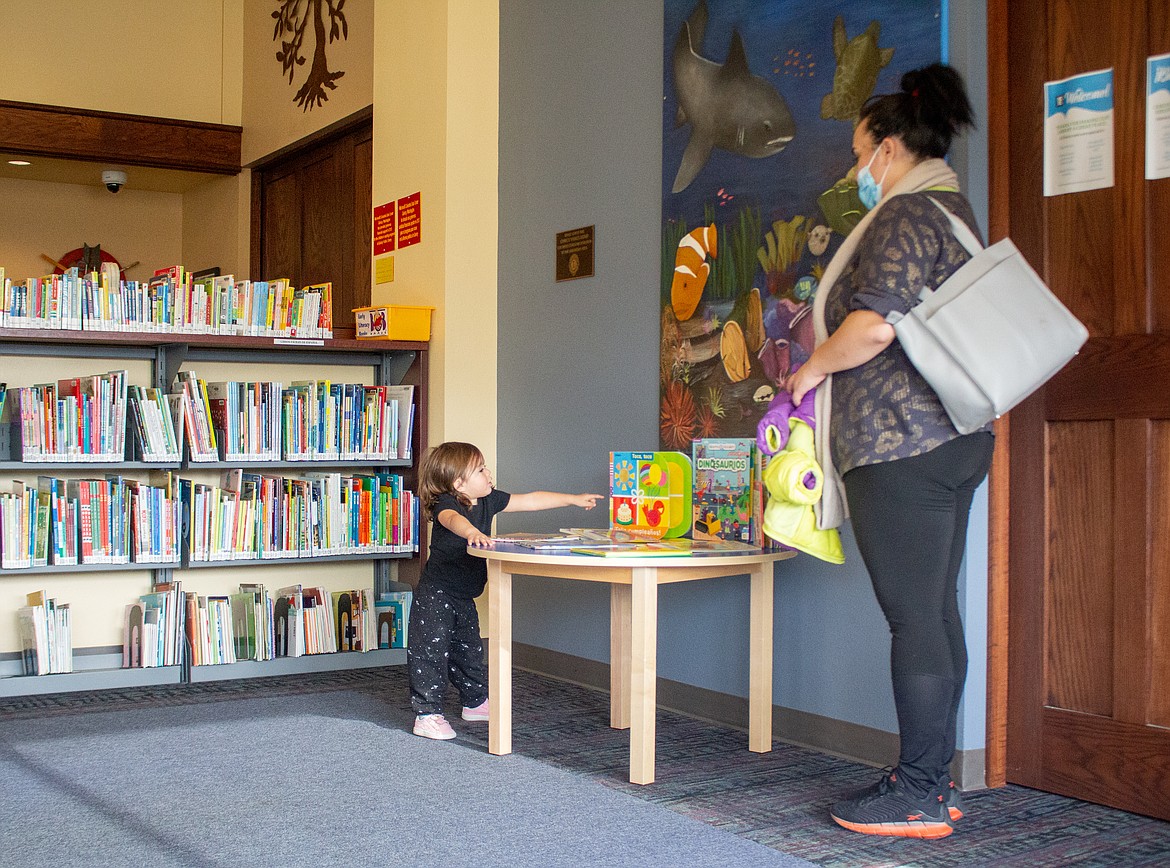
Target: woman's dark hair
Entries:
(926, 114)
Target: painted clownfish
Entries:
(691, 269)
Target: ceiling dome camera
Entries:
(114, 180)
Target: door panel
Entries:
(281, 221)
(313, 218)
(363, 218)
(327, 230)
(1080, 504)
(1088, 562)
(1158, 685)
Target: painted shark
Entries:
(726, 105)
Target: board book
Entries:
(728, 490)
(650, 494)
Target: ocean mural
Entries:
(760, 98)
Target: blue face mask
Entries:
(869, 191)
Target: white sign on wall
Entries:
(1078, 133)
(1158, 116)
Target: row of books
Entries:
(155, 626)
(172, 301)
(255, 624)
(75, 419)
(111, 520)
(120, 520)
(45, 635)
(85, 419)
(346, 420)
(254, 516)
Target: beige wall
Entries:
(436, 70)
(41, 217)
(271, 118)
(144, 57)
(216, 229)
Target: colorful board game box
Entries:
(650, 493)
(728, 490)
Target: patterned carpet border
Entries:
(705, 772)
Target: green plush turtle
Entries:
(858, 62)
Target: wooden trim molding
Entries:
(133, 140)
(998, 525)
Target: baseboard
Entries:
(848, 740)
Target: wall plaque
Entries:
(575, 253)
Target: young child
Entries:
(457, 492)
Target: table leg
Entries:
(760, 660)
(499, 588)
(643, 672)
(619, 656)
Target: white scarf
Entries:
(931, 173)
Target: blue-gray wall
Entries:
(580, 144)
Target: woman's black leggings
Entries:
(910, 521)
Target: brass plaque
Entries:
(575, 253)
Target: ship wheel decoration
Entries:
(293, 18)
(86, 259)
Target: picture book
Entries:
(663, 548)
(650, 493)
(243, 609)
(728, 498)
(392, 616)
(541, 541)
(647, 549)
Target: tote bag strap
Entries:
(963, 233)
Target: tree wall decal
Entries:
(292, 20)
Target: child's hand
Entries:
(586, 501)
(480, 540)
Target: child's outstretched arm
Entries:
(537, 500)
(460, 526)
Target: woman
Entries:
(906, 474)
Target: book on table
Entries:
(728, 491)
(650, 493)
(663, 548)
(542, 541)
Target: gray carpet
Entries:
(316, 779)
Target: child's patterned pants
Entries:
(444, 644)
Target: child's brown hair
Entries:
(440, 468)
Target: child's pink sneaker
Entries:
(433, 726)
(480, 712)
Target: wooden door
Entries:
(1081, 502)
(312, 216)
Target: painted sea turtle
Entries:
(858, 62)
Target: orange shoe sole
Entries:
(930, 830)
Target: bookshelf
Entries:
(163, 355)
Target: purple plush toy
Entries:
(772, 431)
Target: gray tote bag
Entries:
(990, 335)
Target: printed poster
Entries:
(1158, 116)
(1078, 133)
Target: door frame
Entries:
(999, 484)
